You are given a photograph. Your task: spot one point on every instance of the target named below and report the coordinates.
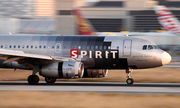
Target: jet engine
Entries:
(97, 73)
(62, 70)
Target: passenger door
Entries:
(127, 47)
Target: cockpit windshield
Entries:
(149, 47)
(155, 47)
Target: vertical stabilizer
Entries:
(167, 20)
(84, 27)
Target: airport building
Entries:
(56, 17)
(27, 16)
(26, 8)
(16, 8)
(112, 15)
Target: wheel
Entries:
(33, 79)
(50, 80)
(129, 81)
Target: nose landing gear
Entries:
(129, 80)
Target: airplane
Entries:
(56, 57)
(85, 28)
(167, 20)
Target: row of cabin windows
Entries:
(149, 47)
(23, 46)
(73, 47)
(94, 47)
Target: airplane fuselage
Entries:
(96, 52)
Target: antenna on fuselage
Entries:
(10, 33)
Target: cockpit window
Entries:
(155, 47)
(144, 47)
(150, 47)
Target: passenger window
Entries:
(104, 47)
(14, 46)
(87, 47)
(100, 47)
(1, 46)
(92, 47)
(150, 47)
(23, 46)
(31, 46)
(44, 46)
(144, 47)
(79, 47)
(18, 46)
(52, 47)
(75, 47)
(109, 47)
(9, 46)
(57, 47)
(64, 46)
(36, 46)
(40, 47)
(117, 47)
(27, 46)
(96, 47)
(83, 47)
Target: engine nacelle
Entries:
(97, 73)
(62, 70)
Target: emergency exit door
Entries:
(58, 48)
(127, 47)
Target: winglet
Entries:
(84, 27)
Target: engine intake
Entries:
(62, 70)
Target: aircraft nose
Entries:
(166, 58)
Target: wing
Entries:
(29, 59)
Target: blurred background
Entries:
(54, 17)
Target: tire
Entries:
(50, 80)
(129, 81)
(33, 79)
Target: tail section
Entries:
(167, 20)
(84, 28)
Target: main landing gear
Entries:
(129, 80)
(34, 79)
(50, 80)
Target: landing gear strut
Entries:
(50, 80)
(34, 79)
(129, 80)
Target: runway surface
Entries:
(98, 87)
(172, 65)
